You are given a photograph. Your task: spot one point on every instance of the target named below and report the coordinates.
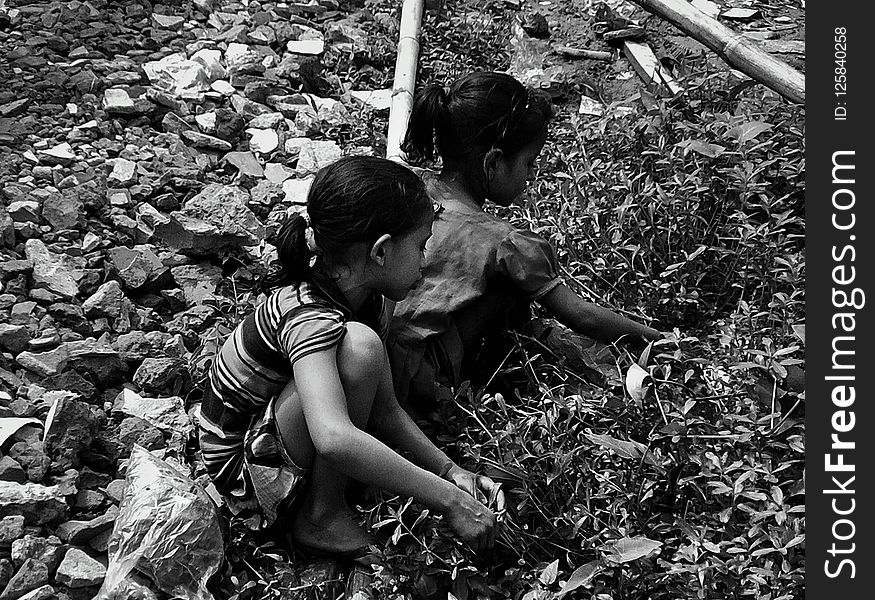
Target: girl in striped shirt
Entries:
(300, 396)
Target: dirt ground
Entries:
(779, 27)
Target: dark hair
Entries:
(480, 111)
(355, 199)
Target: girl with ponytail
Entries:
(480, 273)
(300, 396)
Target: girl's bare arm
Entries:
(592, 320)
(362, 456)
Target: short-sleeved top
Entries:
(255, 362)
(477, 266)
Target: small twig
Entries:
(584, 53)
(659, 404)
(785, 417)
(774, 396)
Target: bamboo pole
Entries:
(405, 77)
(732, 47)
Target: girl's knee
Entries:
(361, 353)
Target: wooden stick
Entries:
(584, 53)
(405, 77)
(732, 47)
(650, 69)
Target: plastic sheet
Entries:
(168, 529)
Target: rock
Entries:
(167, 21)
(62, 154)
(315, 155)
(30, 576)
(10, 470)
(223, 87)
(45, 364)
(247, 108)
(200, 140)
(376, 99)
(277, 172)
(6, 572)
(158, 374)
(137, 266)
(32, 458)
(63, 211)
(47, 551)
(70, 427)
(7, 229)
(229, 125)
(198, 282)
(212, 62)
(45, 592)
(187, 79)
(11, 528)
(206, 122)
(535, 24)
(167, 414)
(308, 122)
(79, 570)
(118, 101)
(215, 219)
(134, 430)
(97, 359)
(246, 163)
(107, 301)
(173, 123)
(124, 172)
(296, 191)
(38, 504)
(24, 211)
(89, 500)
(310, 47)
(77, 533)
(267, 193)
(116, 489)
(263, 141)
(14, 337)
(100, 542)
(57, 273)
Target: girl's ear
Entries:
(490, 162)
(380, 249)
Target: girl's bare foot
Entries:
(330, 531)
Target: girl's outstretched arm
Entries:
(393, 424)
(592, 320)
(362, 456)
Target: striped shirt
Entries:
(255, 364)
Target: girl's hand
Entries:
(480, 487)
(472, 522)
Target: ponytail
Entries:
(480, 111)
(292, 264)
(428, 114)
(354, 199)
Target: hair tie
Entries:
(310, 238)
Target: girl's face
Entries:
(403, 264)
(512, 172)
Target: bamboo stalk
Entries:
(405, 77)
(732, 47)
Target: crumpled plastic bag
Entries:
(168, 529)
(527, 63)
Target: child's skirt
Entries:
(267, 480)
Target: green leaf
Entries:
(703, 148)
(636, 382)
(629, 549)
(548, 575)
(581, 577)
(747, 131)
